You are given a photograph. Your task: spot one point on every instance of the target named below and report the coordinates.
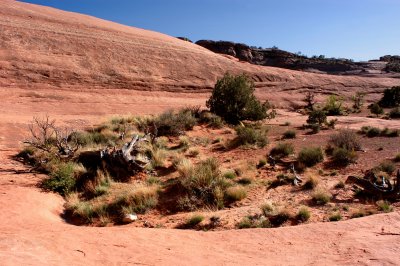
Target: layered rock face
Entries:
(283, 59)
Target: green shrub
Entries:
(212, 120)
(236, 193)
(376, 109)
(310, 156)
(230, 175)
(395, 113)
(261, 163)
(282, 150)
(317, 117)
(343, 156)
(384, 206)
(289, 134)
(335, 217)
(246, 222)
(250, 136)
(194, 220)
(62, 180)
(233, 99)
(333, 106)
(303, 214)
(391, 97)
(373, 132)
(321, 197)
(358, 101)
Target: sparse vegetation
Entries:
(289, 134)
(335, 217)
(391, 98)
(334, 105)
(194, 220)
(235, 193)
(321, 197)
(311, 182)
(317, 117)
(233, 99)
(282, 150)
(247, 135)
(303, 214)
(384, 206)
(310, 156)
(376, 109)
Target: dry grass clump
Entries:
(303, 214)
(235, 193)
(205, 186)
(384, 206)
(311, 182)
(282, 150)
(346, 139)
(289, 134)
(250, 136)
(397, 158)
(334, 217)
(194, 220)
(321, 197)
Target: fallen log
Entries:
(385, 190)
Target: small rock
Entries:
(129, 218)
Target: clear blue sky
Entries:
(358, 29)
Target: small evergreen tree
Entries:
(233, 99)
(391, 97)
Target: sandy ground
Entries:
(80, 70)
(33, 233)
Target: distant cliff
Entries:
(283, 59)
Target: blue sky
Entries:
(358, 29)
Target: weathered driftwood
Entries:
(128, 160)
(383, 189)
(297, 179)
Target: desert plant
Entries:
(212, 120)
(345, 139)
(282, 150)
(235, 193)
(384, 206)
(395, 113)
(386, 166)
(311, 182)
(333, 105)
(233, 99)
(62, 180)
(261, 163)
(335, 217)
(310, 156)
(391, 97)
(230, 174)
(317, 117)
(250, 136)
(303, 214)
(194, 220)
(340, 185)
(373, 132)
(358, 101)
(173, 123)
(376, 109)
(289, 134)
(309, 99)
(397, 158)
(321, 197)
(193, 152)
(343, 156)
(245, 181)
(267, 209)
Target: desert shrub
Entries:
(310, 156)
(205, 185)
(158, 157)
(246, 222)
(250, 136)
(309, 99)
(245, 181)
(321, 197)
(303, 214)
(359, 213)
(261, 163)
(267, 209)
(333, 105)
(254, 222)
(311, 182)
(373, 132)
(391, 97)
(315, 128)
(317, 117)
(289, 134)
(184, 167)
(230, 175)
(335, 217)
(331, 123)
(345, 139)
(395, 113)
(194, 220)
(62, 180)
(397, 158)
(193, 152)
(391, 133)
(376, 109)
(172, 123)
(233, 99)
(139, 199)
(184, 142)
(384, 206)
(280, 218)
(235, 193)
(282, 150)
(212, 120)
(358, 101)
(343, 156)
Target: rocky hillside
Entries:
(47, 48)
(279, 58)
